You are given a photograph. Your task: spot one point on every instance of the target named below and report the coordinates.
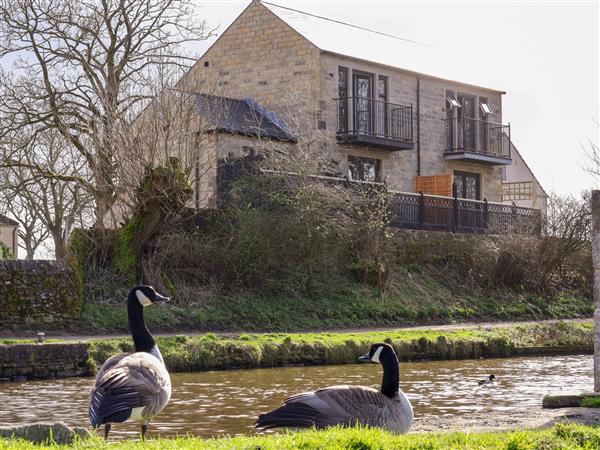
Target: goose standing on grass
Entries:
(134, 385)
(348, 405)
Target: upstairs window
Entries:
(451, 100)
(343, 96)
(485, 107)
(364, 169)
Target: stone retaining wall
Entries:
(37, 293)
(20, 362)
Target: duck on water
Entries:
(344, 405)
(134, 385)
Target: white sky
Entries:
(544, 54)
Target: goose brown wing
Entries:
(138, 380)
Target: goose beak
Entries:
(365, 358)
(161, 299)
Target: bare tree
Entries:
(48, 206)
(82, 70)
(32, 233)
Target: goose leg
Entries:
(106, 430)
(144, 430)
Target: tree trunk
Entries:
(596, 284)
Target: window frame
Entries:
(358, 162)
(463, 175)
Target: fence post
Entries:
(596, 284)
(455, 214)
(485, 214)
(421, 209)
(514, 218)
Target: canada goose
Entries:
(132, 385)
(488, 380)
(348, 405)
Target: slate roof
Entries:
(245, 117)
(341, 39)
(8, 221)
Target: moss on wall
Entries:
(39, 292)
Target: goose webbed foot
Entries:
(107, 428)
(144, 431)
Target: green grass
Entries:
(251, 350)
(209, 352)
(558, 437)
(422, 301)
(591, 402)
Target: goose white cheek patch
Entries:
(375, 357)
(144, 301)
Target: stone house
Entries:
(520, 186)
(9, 234)
(387, 113)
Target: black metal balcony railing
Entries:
(361, 116)
(477, 136)
(431, 212)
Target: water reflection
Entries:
(228, 402)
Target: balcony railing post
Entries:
(455, 215)
(421, 209)
(485, 214)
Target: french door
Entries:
(363, 107)
(466, 122)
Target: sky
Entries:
(545, 55)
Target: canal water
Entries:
(228, 402)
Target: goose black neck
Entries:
(391, 374)
(142, 339)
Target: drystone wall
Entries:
(20, 362)
(38, 293)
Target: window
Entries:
(364, 169)
(483, 125)
(467, 185)
(484, 106)
(451, 99)
(382, 96)
(466, 122)
(516, 191)
(363, 102)
(343, 96)
(452, 105)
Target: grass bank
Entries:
(557, 437)
(423, 299)
(215, 352)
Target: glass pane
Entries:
(472, 186)
(343, 102)
(364, 169)
(458, 181)
(363, 105)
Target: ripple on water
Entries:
(228, 402)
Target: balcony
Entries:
(475, 140)
(374, 123)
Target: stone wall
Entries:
(38, 293)
(20, 362)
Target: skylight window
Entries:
(487, 109)
(452, 102)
